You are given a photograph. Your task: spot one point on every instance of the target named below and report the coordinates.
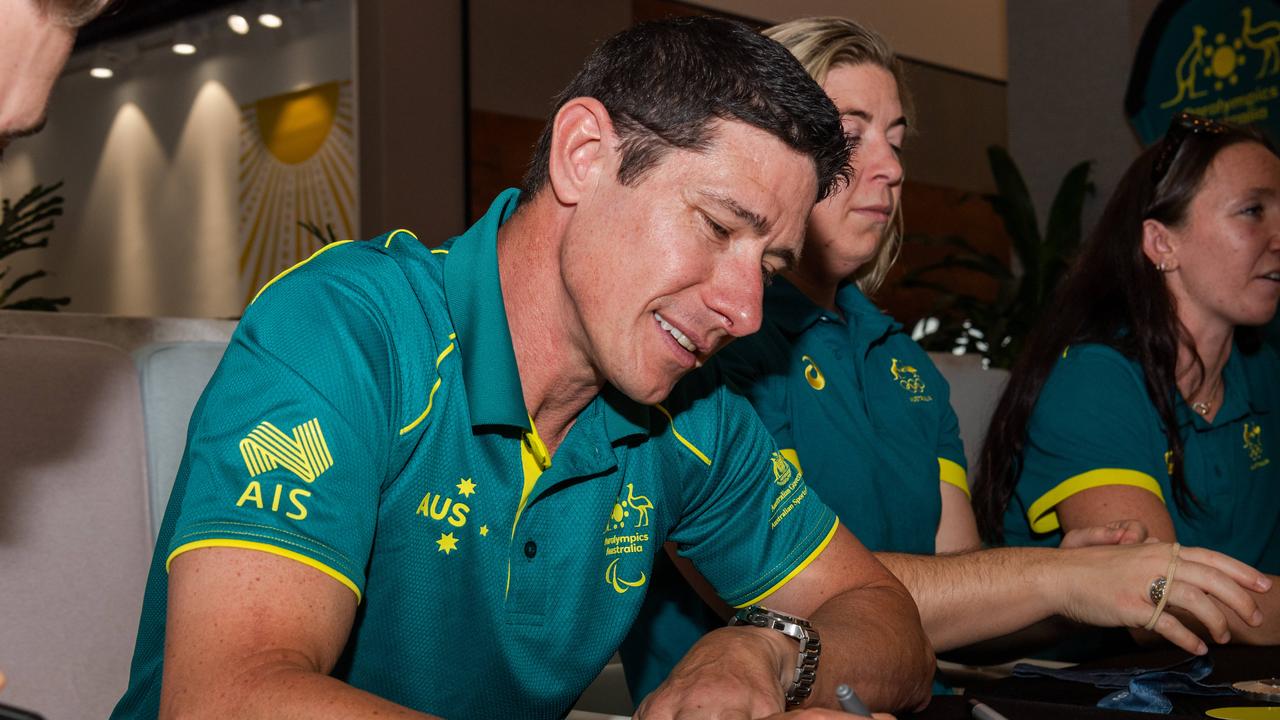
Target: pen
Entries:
(849, 701)
(982, 711)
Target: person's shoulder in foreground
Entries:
(407, 451)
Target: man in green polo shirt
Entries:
(435, 481)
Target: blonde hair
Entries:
(821, 43)
(72, 13)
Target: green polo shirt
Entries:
(368, 421)
(1095, 425)
(869, 417)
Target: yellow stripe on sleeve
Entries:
(672, 423)
(798, 568)
(953, 473)
(264, 547)
(314, 255)
(1044, 518)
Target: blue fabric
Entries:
(1142, 689)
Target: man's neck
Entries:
(556, 375)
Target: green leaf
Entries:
(38, 303)
(1012, 202)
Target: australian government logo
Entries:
(625, 534)
(304, 454)
(1253, 446)
(908, 378)
(792, 490)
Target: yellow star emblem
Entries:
(484, 530)
(447, 542)
(466, 487)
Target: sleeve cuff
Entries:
(798, 568)
(264, 547)
(953, 473)
(1044, 519)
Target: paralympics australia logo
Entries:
(1253, 446)
(908, 378)
(624, 535)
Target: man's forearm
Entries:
(872, 640)
(281, 694)
(975, 596)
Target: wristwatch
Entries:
(792, 627)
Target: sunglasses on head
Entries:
(1183, 125)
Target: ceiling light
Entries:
(184, 40)
(238, 24)
(101, 66)
(270, 20)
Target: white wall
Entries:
(151, 164)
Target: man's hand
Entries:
(732, 672)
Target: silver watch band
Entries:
(794, 627)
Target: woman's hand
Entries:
(1120, 532)
(1110, 586)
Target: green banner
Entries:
(1216, 58)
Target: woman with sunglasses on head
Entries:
(863, 412)
(1146, 394)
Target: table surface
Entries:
(1051, 699)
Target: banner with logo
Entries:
(297, 164)
(1216, 58)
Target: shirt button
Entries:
(530, 549)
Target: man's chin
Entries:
(649, 393)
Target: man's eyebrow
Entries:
(759, 223)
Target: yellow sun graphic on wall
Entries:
(1222, 59)
(297, 164)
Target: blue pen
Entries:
(849, 701)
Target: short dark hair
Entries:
(72, 13)
(664, 83)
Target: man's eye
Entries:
(719, 230)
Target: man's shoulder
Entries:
(392, 274)
(705, 400)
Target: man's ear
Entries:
(1158, 245)
(582, 148)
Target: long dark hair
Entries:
(1113, 295)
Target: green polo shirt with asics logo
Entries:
(869, 417)
(367, 420)
(1094, 425)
